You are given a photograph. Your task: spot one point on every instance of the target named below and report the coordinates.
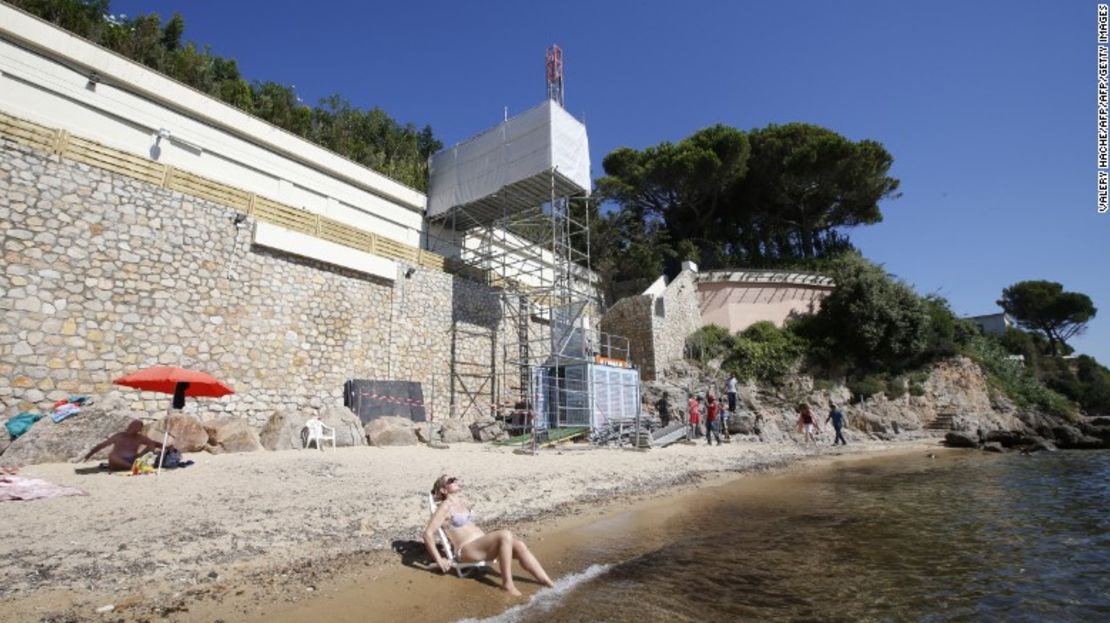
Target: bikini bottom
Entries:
(460, 546)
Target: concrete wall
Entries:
(104, 275)
(738, 300)
(739, 307)
(994, 324)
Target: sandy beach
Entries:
(242, 536)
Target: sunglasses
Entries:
(450, 481)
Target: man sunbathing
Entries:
(125, 446)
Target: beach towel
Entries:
(21, 423)
(21, 488)
(65, 410)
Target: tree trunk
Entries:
(807, 240)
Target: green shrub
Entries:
(871, 322)
(1015, 380)
(866, 387)
(764, 352)
(823, 385)
(917, 390)
(708, 342)
(895, 387)
(943, 336)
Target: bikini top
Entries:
(459, 520)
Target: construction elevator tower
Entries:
(511, 203)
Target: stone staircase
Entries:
(942, 423)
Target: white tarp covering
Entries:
(526, 146)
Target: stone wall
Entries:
(105, 275)
(681, 317)
(630, 317)
(657, 326)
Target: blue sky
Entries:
(987, 107)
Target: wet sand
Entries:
(281, 535)
(598, 534)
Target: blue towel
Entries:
(21, 423)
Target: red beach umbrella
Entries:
(165, 379)
(176, 381)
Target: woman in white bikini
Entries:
(471, 544)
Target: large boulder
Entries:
(993, 446)
(1070, 437)
(348, 428)
(960, 439)
(283, 431)
(231, 434)
(50, 442)
(871, 423)
(742, 424)
(1009, 438)
(391, 431)
(187, 432)
(454, 430)
(488, 429)
(1097, 427)
(1039, 444)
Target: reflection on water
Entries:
(969, 536)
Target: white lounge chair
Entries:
(461, 568)
(318, 432)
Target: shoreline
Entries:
(269, 529)
(564, 543)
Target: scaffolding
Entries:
(538, 258)
(511, 208)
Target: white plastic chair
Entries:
(318, 432)
(461, 568)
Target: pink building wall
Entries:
(740, 299)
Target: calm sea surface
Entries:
(961, 537)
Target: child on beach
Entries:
(711, 412)
(694, 419)
(471, 543)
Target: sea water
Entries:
(962, 536)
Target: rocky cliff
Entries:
(956, 403)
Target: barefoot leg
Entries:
(497, 545)
(505, 561)
(529, 562)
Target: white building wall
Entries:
(44, 77)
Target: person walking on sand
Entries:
(471, 543)
(807, 423)
(694, 417)
(837, 419)
(712, 410)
